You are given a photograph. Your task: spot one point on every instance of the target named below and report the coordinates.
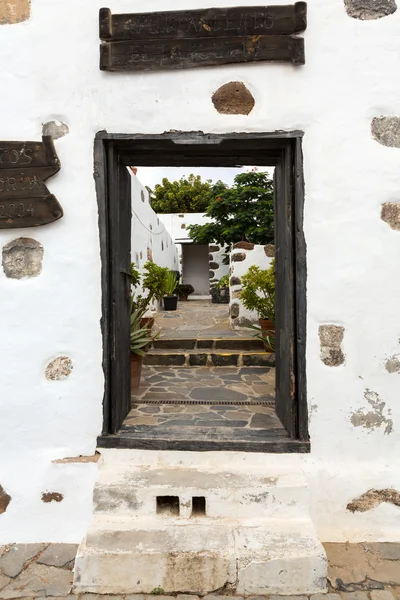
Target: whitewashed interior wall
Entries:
(243, 256)
(351, 169)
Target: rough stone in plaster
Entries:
(386, 131)
(52, 497)
(22, 257)
(211, 274)
(183, 226)
(374, 498)
(235, 281)
(367, 10)
(269, 250)
(56, 129)
(233, 99)
(244, 245)
(14, 11)
(5, 500)
(372, 419)
(238, 257)
(214, 248)
(214, 265)
(149, 254)
(77, 459)
(210, 257)
(331, 338)
(243, 322)
(142, 196)
(393, 364)
(390, 213)
(236, 294)
(59, 368)
(234, 310)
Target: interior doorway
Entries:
(195, 268)
(282, 151)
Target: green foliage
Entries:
(158, 591)
(258, 291)
(223, 282)
(170, 282)
(244, 212)
(188, 195)
(141, 337)
(153, 281)
(266, 336)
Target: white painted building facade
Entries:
(49, 66)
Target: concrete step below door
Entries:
(210, 343)
(162, 357)
(121, 556)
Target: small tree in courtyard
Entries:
(187, 195)
(243, 212)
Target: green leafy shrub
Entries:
(153, 281)
(258, 291)
(223, 282)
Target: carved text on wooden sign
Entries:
(25, 200)
(203, 37)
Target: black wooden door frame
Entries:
(283, 150)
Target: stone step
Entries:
(232, 343)
(120, 555)
(138, 491)
(163, 357)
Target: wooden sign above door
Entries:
(202, 37)
(25, 201)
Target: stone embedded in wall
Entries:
(390, 213)
(235, 281)
(59, 368)
(372, 418)
(238, 257)
(386, 131)
(233, 99)
(93, 458)
(56, 129)
(331, 338)
(393, 364)
(269, 250)
(236, 294)
(183, 226)
(162, 246)
(367, 10)
(244, 245)
(374, 498)
(211, 274)
(14, 11)
(22, 257)
(210, 257)
(214, 265)
(234, 310)
(149, 254)
(52, 497)
(142, 196)
(213, 248)
(5, 500)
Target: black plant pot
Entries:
(170, 302)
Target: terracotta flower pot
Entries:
(136, 370)
(147, 322)
(269, 328)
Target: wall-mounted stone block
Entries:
(183, 226)
(22, 258)
(14, 11)
(52, 497)
(368, 10)
(269, 250)
(213, 248)
(390, 213)
(235, 281)
(59, 368)
(234, 310)
(236, 294)
(56, 129)
(149, 254)
(142, 196)
(5, 500)
(393, 364)
(214, 265)
(233, 99)
(386, 131)
(244, 245)
(238, 257)
(331, 338)
(211, 274)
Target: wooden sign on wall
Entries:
(25, 201)
(202, 37)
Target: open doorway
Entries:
(195, 268)
(281, 413)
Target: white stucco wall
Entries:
(254, 256)
(49, 70)
(149, 238)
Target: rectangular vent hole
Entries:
(198, 506)
(168, 506)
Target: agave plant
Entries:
(267, 337)
(141, 337)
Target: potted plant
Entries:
(184, 290)
(170, 299)
(141, 338)
(152, 281)
(220, 291)
(258, 294)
